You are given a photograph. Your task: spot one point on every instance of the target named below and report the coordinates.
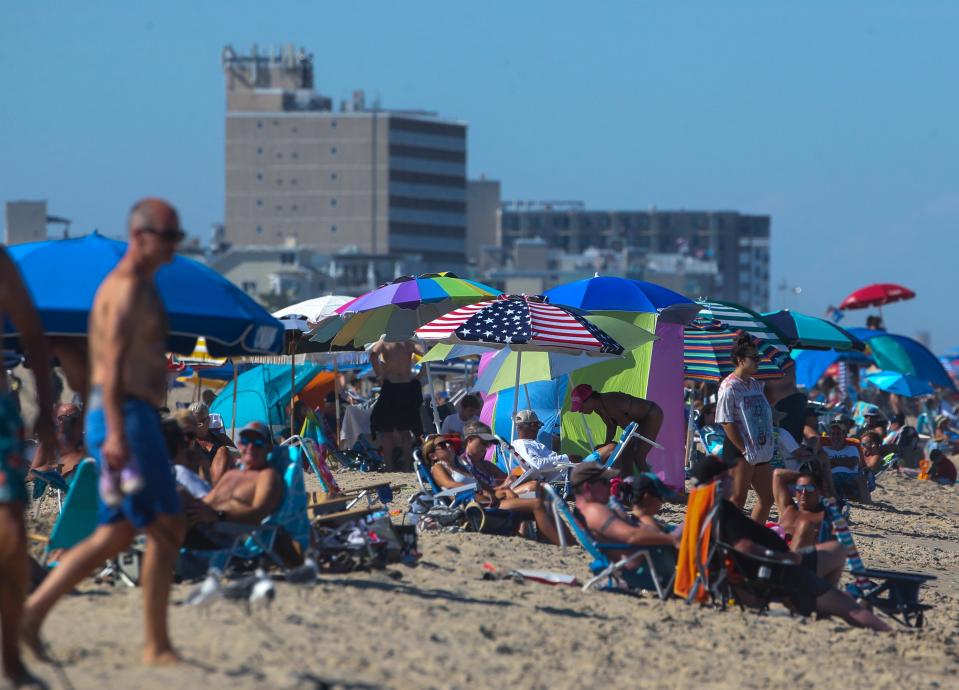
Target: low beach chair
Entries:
(556, 474)
(658, 563)
(458, 496)
(253, 542)
(330, 492)
(78, 516)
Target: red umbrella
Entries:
(877, 295)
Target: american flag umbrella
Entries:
(523, 324)
(707, 353)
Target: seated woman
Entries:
(449, 473)
(872, 455)
(649, 494)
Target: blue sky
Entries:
(837, 119)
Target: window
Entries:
(287, 258)
(279, 181)
(276, 123)
(249, 287)
(293, 181)
(294, 155)
(259, 177)
(294, 207)
(332, 228)
(333, 124)
(259, 203)
(333, 150)
(259, 229)
(333, 203)
(278, 207)
(259, 150)
(293, 129)
(279, 155)
(259, 124)
(332, 175)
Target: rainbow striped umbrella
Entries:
(397, 309)
(707, 350)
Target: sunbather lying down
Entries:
(813, 571)
(450, 472)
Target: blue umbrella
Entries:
(64, 275)
(612, 293)
(900, 384)
(893, 352)
(812, 364)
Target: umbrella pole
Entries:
(529, 405)
(589, 432)
(293, 431)
(436, 412)
(336, 401)
(519, 365)
(233, 413)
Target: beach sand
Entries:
(440, 625)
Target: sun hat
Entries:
(580, 394)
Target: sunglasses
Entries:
(172, 236)
(255, 441)
(803, 488)
(443, 444)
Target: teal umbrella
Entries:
(811, 333)
(900, 384)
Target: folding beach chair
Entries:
(44, 483)
(896, 594)
(333, 497)
(456, 497)
(78, 516)
(555, 474)
(251, 542)
(658, 563)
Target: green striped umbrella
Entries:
(812, 333)
(738, 317)
(707, 353)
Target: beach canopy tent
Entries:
(892, 352)
(63, 277)
(263, 393)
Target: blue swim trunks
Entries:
(13, 467)
(145, 440)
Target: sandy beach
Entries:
(440, 625)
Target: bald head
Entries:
(153, 213)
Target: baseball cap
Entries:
(527, 417)
(478, 429)
(258, 428)
(579, 395)
(588, 472)
(708, 468)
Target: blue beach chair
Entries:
(658, 563)
(78, 517)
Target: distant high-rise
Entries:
(381, 182)
(664, 243)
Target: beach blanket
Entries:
(701, 502)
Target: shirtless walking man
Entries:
(15, 302)
(621, 410)
(127, 337)
(396, 413)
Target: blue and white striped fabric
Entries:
(740, 318)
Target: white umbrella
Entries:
(304, 316)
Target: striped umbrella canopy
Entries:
(521, 322)
(395, 310)
(737, 317)
(811, 333)
(707, 353)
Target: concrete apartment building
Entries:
(388, 184)
(716, 254)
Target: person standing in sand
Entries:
(127, 334)
(15, 302)
(396, 413)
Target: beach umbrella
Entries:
(812, 365)
(304, 316)
(615, 294)
(876, 295)
(523, 324)
(900, 384)
(707, 353)
(737, 317)
(395, 310)
(63, 276)
(811, 333)
(893, 352)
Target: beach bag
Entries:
(491, 520)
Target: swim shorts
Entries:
(13, 467)
(398, 408)
(144, 436)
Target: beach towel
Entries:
(840, 529)
(701, 502)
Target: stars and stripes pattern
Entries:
(521, 323)
(737, 317)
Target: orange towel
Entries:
(701, 501)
